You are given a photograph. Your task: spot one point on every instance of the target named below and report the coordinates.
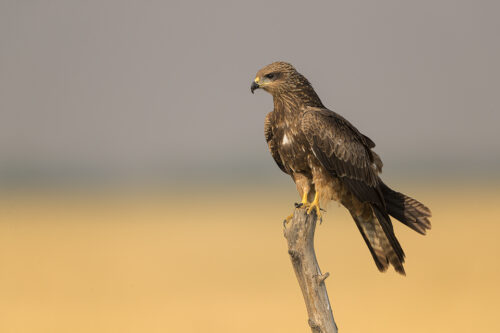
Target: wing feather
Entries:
(339, 146)
(345, 153)
(273, 149)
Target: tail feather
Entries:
(407, 210)
(368, 232)
(377, 231)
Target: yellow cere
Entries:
(257, 79)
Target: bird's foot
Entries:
(315, 206)
(287, 219)
(303, 203)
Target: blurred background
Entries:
(137, 192)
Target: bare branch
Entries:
(299, 233)
(322, 278)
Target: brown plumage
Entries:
(329, 159)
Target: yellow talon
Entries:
(315, 205)
(287, 219)
(303, 203)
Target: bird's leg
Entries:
(304, 200)
(315, 205)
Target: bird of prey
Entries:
(329, 159)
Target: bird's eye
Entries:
(269, 76)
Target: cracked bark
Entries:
(299, 233)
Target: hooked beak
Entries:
(254, 86)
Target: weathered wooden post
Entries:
(299, 233)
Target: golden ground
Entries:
(151, 262)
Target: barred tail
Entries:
(377, 231)
(407, 210)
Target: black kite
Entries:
(329, 159)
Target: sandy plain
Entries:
(215, 260)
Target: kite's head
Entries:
(275, 77)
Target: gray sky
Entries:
(126, 86)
